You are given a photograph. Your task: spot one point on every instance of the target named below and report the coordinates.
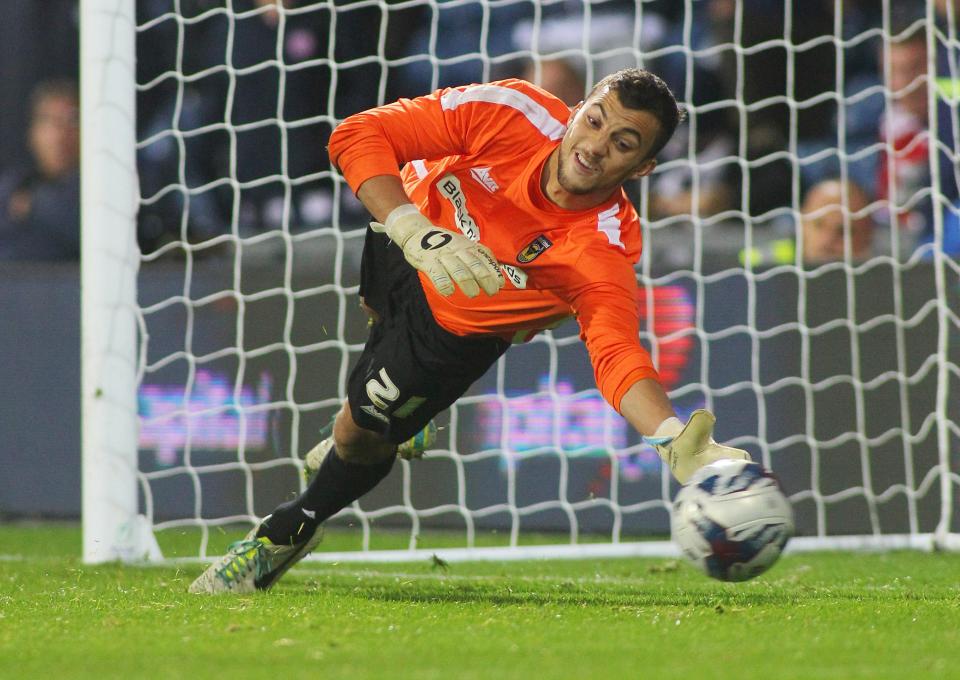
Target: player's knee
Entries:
(355, 444)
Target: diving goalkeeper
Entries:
(508, 217)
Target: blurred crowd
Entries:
(234, 111)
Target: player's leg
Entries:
(410, 370)
(356, 461)
(292, 530)
(414, 447)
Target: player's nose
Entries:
(593, 147)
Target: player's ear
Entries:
(644, 169)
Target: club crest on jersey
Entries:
(533, 249)
(482, 175)
(450, 188)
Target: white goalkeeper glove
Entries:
(446, 257)
(687, 448)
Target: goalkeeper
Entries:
(508, 217)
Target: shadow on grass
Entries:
(675, 592)
(558, 595)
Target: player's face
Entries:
(605, 145)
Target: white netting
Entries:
(839, 370)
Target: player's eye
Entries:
(593, 121)
(624, 146)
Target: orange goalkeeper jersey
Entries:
(473, 159)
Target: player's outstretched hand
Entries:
(446, 257)
(687, 448)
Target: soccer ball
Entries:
(731, 520)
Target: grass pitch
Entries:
(894, 615)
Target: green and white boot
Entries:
(418, 443)
(252, 564)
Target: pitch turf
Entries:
(813, 616)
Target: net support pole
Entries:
(109, 262)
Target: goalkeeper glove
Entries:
(446, 257)
(687, 448)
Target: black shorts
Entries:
(410, 369)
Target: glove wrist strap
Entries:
(665, 433)
(397, 228)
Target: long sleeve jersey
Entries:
(473, 158)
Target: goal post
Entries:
(113, 525)
(110, 260)
(213, 360)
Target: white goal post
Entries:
(109, 264)
(212, 361)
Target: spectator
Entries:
(704, 65)
(714, 161)
(457, 44)
(573, 49)
(559, 77)
(905, 166)
(892, 159)
(904, 173)
(269, 106)
(824, 220)
(39, 41)
(262, 72)
(40, 204)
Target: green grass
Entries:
(894, 615)
(185, 542)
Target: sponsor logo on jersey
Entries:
(450, 189)
(482, 175)
(517, 276)
(533, 249)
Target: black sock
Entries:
(337, 484)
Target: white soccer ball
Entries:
(731, 520)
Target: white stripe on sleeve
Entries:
(534, 112)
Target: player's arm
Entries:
(446, 257)
(369, 147)
(645, 406)
(609, 321)
(381, 195)
(450, 122)
(685, 448)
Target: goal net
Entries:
(799, 274)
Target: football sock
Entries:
(336, 485)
